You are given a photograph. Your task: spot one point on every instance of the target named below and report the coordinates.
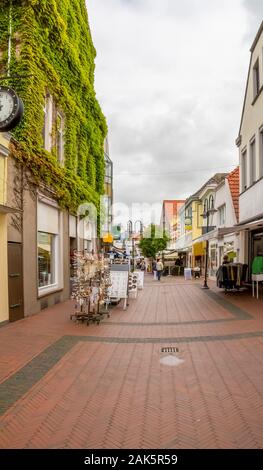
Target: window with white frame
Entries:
(47, 125)
(60, 137)
(49, 248)
(46, 259)
(222, 215)
(256, 78)
(244, 170)
(252, 159)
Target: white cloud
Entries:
(170, 77)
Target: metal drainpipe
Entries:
(9, 38)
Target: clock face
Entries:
(6, 105)
(11, 109)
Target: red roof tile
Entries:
(233, 180)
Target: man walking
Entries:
(159, 268)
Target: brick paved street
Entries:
(66, 385)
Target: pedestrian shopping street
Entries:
(114, 385)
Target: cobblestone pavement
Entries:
(181, 368)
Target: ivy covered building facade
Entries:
(56, 155)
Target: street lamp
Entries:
(207, 212)
(131, 235)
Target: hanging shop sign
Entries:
(107, 238)
(188, 223)
(11, 109)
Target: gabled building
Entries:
(56, 159)
(205, 224)
(250, 144)
(195, 228)
(170, 220)
(224, 239)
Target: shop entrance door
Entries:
(72, 247)
(15, 281)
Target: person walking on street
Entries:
(154, 270)
(159, 268)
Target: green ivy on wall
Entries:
(52, 47)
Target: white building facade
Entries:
(250, 144)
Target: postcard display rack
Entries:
(119, 275)
(140, 279)
(91, 287)
(125, 284)
(133, 285)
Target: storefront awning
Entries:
(249, 225)
(186, 249)
(172, 255)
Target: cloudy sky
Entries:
(170, 77)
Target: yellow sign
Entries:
(108, 238)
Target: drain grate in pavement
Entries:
(169, 350)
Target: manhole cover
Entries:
(169, 350)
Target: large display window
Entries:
(49, 247)
(46, 259)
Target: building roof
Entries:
(216, 179)
(257, 37)
(238, 140)
(233, 181)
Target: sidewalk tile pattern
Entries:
(66, 385)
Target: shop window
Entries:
(213, 260)
(46, 259)
(50, 246)
(87, 245)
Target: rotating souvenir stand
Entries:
(91, 285)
